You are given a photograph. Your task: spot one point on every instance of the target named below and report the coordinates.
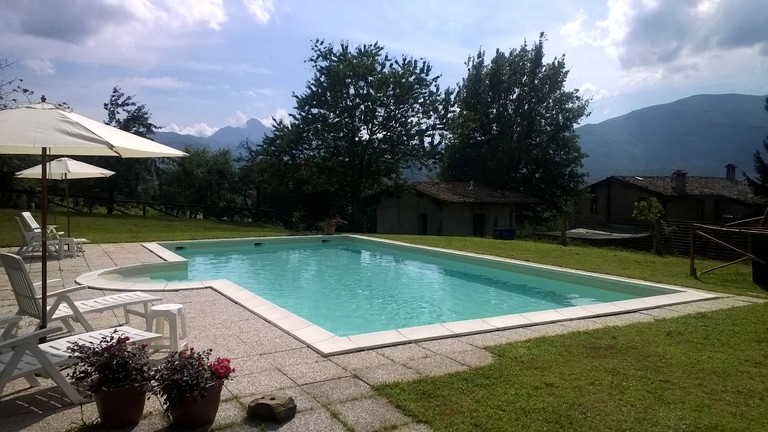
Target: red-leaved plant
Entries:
(187, 375)
(109, 364)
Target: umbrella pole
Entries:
(66, 202)
(44, 238)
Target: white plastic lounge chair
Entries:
(60, 305)
(54, 237)
(22, 357)
(30, 241)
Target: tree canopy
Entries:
(514, 126)
(134, 178)
(759, 184)
(363, 117)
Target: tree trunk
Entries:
(657, 238)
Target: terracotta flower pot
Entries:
(198, 412)
(329, 229)
(121, 407)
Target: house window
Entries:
(700, 209)
(594, 206)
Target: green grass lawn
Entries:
(736, 279)
(700, 372)
(102, 228)
(703, 372)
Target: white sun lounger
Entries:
(22, 357)
(57, 242)
(60, 305)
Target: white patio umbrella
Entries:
(49, 130)
(66, 169)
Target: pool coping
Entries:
(326, 343)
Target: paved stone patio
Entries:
(332, 394)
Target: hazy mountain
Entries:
(699, 134)
(226, 137)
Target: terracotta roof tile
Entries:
(721, 186)
(463, 192)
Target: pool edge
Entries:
(326, 343)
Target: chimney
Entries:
(730, 172)
(678, 182)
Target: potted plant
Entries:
(189, 386)
(117, 373)
(330, 223)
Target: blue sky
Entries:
(200, 65)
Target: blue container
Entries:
(508, 234)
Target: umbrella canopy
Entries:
(27, 129)
(47, 129)
(65, 169)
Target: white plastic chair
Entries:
(31, 241)
(60, 305)
(54, 237)
(22, 357)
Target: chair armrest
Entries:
(61, 291)
(37, 284)
(4, 321)
(66, 290)
(31, 337)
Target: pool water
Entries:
(351, 288)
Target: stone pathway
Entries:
(332, 394)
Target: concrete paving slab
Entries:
(413, 427)
(446, 346)
(434, 365)
(474, 358)
(404, 352)
(360, 360)
(259, 383)
(369, 415)
(307, 373)
(339, 390)
(386, 374)
(316, 420)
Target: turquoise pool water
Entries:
(353, 287)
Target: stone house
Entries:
(685, 198)
(449, 208)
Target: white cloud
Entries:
(164, 83)
(177, 14)
(40, 66)
(197, 129)
(238, 120)
(258, 92)
(280, 114)
(588, 90)
(260, 10)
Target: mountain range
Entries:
(699, 134)
(225, 138)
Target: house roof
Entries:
(710, 186)
(467, 192)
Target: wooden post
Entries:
(563, 229)
(692, 265)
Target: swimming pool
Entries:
(352, 288)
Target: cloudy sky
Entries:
(200, 65)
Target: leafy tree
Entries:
(514, 126)
(362, 118)
(759, 184)
(134, 178)
(203, 181)
(651, 212)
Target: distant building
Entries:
(689, 198)
(449, 208)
